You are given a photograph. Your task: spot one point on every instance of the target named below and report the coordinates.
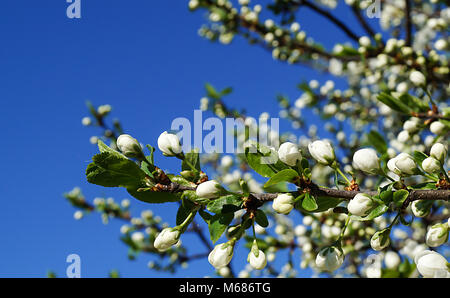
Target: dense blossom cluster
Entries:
(370, 201)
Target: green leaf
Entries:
(394, 103)
(211, 91)
(149, 167)
(184, 210)
(261, 219)
(225, 204)
(386, 196)
(288, 175)
(275, 188)
(377, 141)
(400, 196)
(309, 203)
(218, 224)
(263, 160)
(323, 204)
(154, 196)
(389, 273)
(414, 103)
(114, 170)
(262, 244)
(419, 157)
(192, 158)
(226, 91)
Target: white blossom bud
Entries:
(380, 240)
(209, 190)
(137, 237)
(193, 4)
(411, 125)
(257, 258)
(360, 204)
(403, 136)
(289, 153)
(392, 259)
(437, 235)
(104, 109)
(366, 160)
(169, 144)
(431, 264)
(226, 161)
(439, 152)
(437, 127)
(431, 165)
(166, 239)
(402, 165)
(86, 121)
(420, 208)
(329, 259)
(322, 152)
(78, 215)
(283, 203)
(440, 44)
(129, 146)
(417, 78)
(221, 255)
(295, 27)
(364, 41)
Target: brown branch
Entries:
(331, 18)
(362, 21)
(408, 23)
(317, 191)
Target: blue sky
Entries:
(146, 60)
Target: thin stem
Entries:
(347, 221)
(342, 174)
(394, 221)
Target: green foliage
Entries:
(263, 160)
(287, 175)
(323, 204)
(261, 219)
(376, 140)
(217, 223)
(113, 169)
(225, 204)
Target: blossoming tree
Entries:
(373, 202)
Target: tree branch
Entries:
(331, 18)
(408, 23)
(362, 21)
(317, 191)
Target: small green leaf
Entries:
(287, 175)
(419, 157)
(263, 159)
(394, 103)
(154, 196)
(184, 210)
(400, 196)
(191, 158)
(261, 219)
(377, 141)
(218, 224)
(309, 203)
(225, 204)
(414, 103)
(211, 91)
